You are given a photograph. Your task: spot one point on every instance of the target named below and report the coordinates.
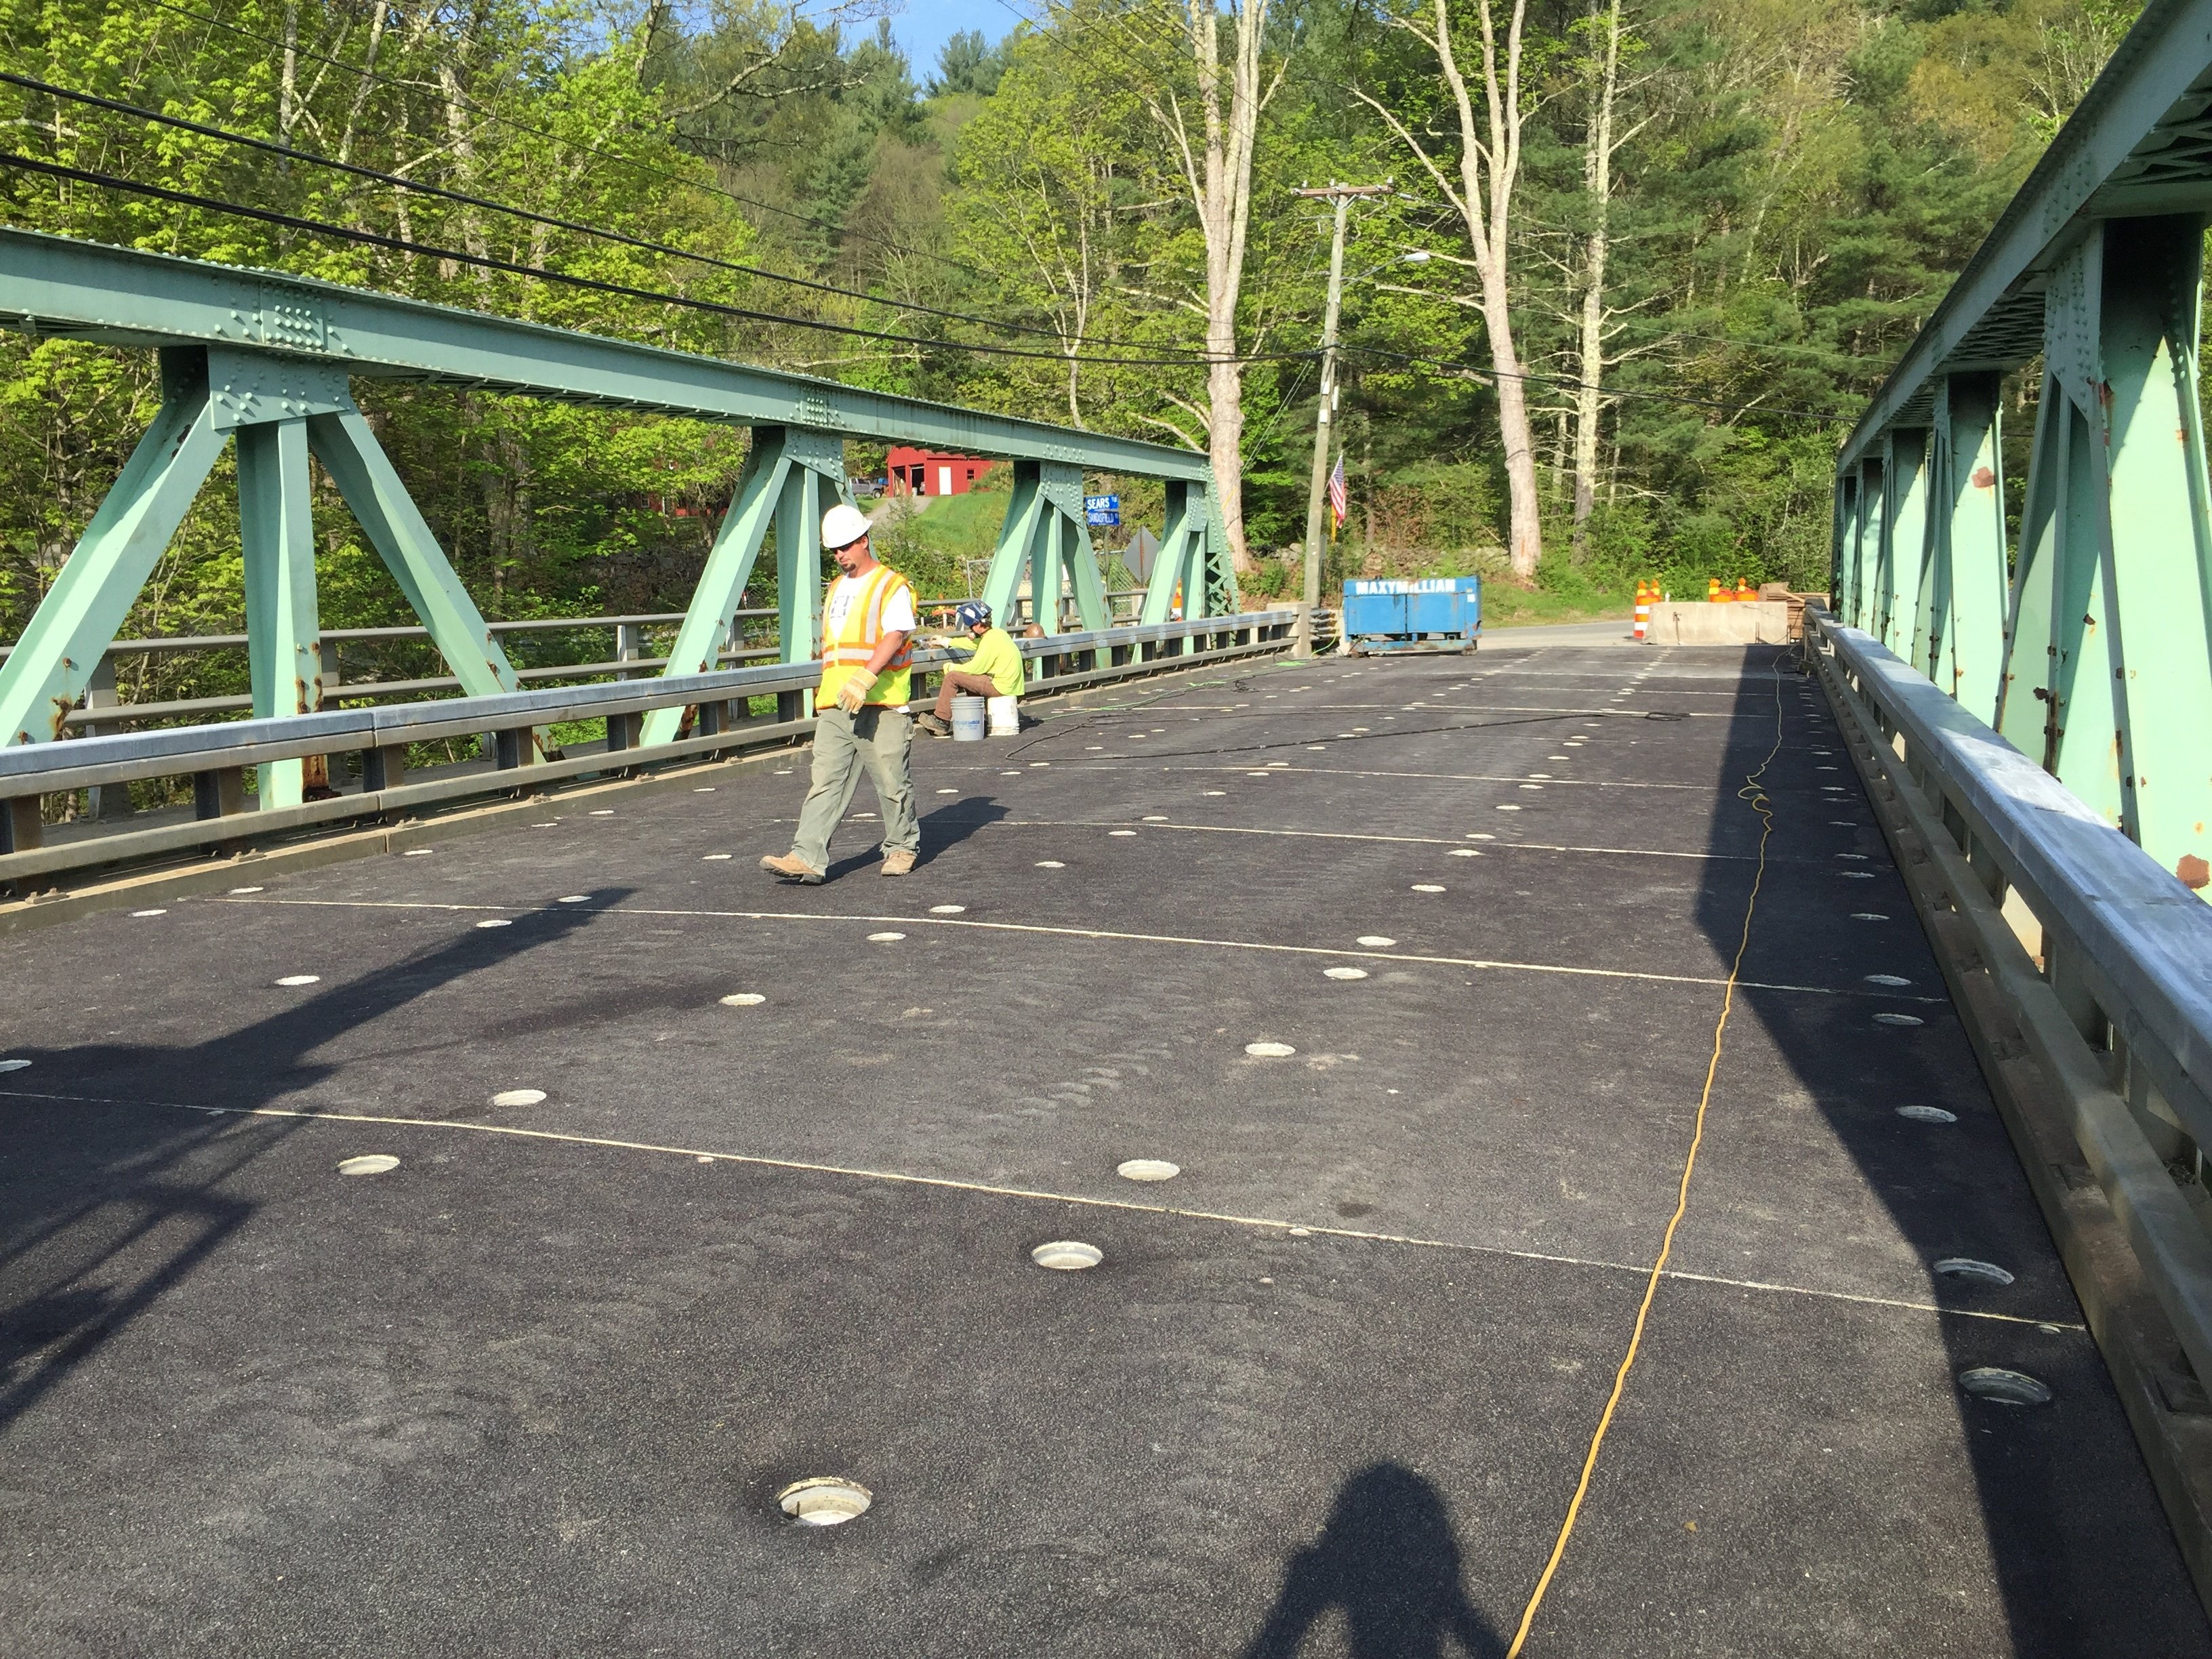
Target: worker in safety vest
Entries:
(991, 667)
(859, 711)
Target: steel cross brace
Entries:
(1046, 538)
(281, 410)
(1193, 559)
(790, 475)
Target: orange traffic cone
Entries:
(1642, 611)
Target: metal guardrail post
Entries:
(22, 825)
(629, 646)
(383, 767)
(219, 793)
(109, 802)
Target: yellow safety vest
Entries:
(862, 632)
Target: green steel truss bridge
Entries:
(268, 360)
(2086, 637)
(1577, 1148)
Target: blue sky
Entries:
(925, 25)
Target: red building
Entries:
(927, 472)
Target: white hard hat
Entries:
(842, 525)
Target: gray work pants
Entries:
(877, 739)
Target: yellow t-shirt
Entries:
(996, 656)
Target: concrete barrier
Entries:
(1739, 621)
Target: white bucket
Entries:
(967, 719)
(1006, 716)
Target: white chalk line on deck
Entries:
(1086, 932)
(1109, 763)
(1408, 841)
(949, 1183)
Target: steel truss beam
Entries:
(1962, 603)
(56, 285)
(789, 476)
(1903, 532)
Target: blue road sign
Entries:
(1102, 509)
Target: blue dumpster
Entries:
(1429, 613)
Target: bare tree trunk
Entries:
(361, 89)
(1218, 172)
(287, 83)
(1489, 166)
(1597, 183)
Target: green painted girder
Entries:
(52, 285)
(2108, 673)
(805, 496)
(1222, 598)
(2102, 667)
(280, 412)
(283, 631)
(1862, 492)
(1842, 508)
(252, 351)
(2127, 151)
(1965, 589)
(1904, 538)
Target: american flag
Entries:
(1339, 502)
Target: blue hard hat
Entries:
(972, 613)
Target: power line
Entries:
(291, 153)
(487, 261)
(574, 145)
(646, 168)
(1733, 409)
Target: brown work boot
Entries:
(931, 723)
(897, 864)
(792, 867)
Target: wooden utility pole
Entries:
(1342, 196)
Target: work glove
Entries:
(852, 693)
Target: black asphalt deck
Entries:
(533, 1391)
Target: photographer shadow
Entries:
(1388, 1558)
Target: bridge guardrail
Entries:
(2105, 956)
(216, 756)
(103, 712)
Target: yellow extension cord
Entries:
(1756, 795)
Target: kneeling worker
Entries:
(859, 711)
(993, 665)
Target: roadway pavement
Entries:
(535, 1388)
